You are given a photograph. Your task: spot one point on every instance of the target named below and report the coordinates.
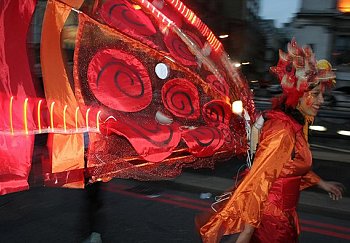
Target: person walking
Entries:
(263, 207)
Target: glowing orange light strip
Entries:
(159, 15)
(51, 115)
(76, 118)
(98, 120)
(192, 18)
(87, 119)
(11, 122)
(64, 118)
(187, 14)
(25, 120)
(39, 116)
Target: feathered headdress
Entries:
(298, 71)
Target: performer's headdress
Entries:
(298, 71)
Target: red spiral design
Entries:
(216, 112)
(179, 50)
(220, 85)
(203, 141)
(121, 15)
(181, 98)
(119, 81)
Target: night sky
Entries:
(280, 10)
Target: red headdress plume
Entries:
(298, 71)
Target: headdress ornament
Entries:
(298, 71)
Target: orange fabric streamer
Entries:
(67, 151)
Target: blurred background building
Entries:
(325, 25)
(236, 23)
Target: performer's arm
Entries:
(310, 179)
(334, 189)
(246, 234)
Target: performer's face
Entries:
(310, 102)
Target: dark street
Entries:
(131, 212)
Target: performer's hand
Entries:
(246, 234)
(334, 189)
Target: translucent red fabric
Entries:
(16, 85)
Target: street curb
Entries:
(309, 201)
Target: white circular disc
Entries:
(162, 70)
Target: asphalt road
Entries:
(131, 212)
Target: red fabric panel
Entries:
(203, 141)
(153, 142)
(119, 80)
(15, 80)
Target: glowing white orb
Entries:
(237, 107)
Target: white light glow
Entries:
(237, 107)
(237, 65)
(318, 128)
(245, 63)
(223, 36)
(344, 133)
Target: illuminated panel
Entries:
(194, 20)
(39, 115)
(11, 117)
(160, 16)
(187, 14)
(51, 128)
(25, 120)
(98, 121)
(76, 118)
(51, 115)
(87, 119)
(64, 118)
(344, 6)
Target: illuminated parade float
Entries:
(150, 92)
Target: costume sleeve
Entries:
(310, 179)
(246, 203)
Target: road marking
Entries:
(328, 226)
(325, 232)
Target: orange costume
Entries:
(268, 195)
